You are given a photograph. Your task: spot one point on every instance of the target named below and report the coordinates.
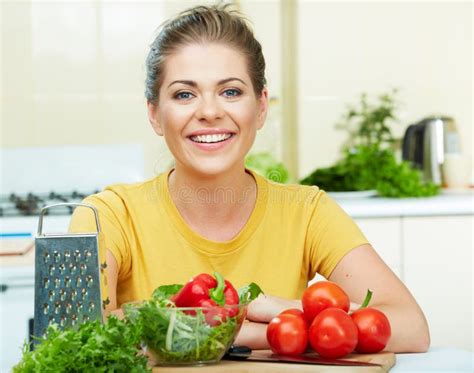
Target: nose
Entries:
(209, 109)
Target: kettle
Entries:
(426, 142)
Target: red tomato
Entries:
(293, 311)
(333, 334)
(322, 295)
(287, 335)
(374, 330)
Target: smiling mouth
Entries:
(211, 139)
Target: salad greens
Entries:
(166, 291)
(171, 335)
(174, 336)
(182, 336)
(249, 292)
(91, 347)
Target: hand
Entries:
(266, 307)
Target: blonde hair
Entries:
(203, 24)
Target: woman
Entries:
(206, 96)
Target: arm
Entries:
(359, 270)
(254, 330)
(83, 220)
(363, 269)
(112, 276)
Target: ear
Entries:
(262, 108)
(153, 112)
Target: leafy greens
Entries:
(179, 336)
(91, 347)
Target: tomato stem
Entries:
(367, 299)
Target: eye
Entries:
(183, 95)
(232, 92)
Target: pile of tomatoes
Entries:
(327, 326)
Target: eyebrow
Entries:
(192, 83)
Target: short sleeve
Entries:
(331, 235)
(112, 218)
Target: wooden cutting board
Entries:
(385, 359)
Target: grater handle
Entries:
(43, 211)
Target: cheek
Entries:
(246, 115)
(174, 119)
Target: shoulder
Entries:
(311, 202)
(120, 197)
(295, 194)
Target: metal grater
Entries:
(68, 274)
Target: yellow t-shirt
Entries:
(293, 232)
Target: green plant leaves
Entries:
(166, 291)
(91, 347)
(369, 161)
(266, 165)
(369, 167)
(249, 292)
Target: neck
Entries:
(212, 197)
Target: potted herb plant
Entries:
(369, 161)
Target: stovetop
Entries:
(31, 203)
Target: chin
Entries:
(213, 168)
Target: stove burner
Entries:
(31, 204)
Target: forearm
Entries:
(253, 335)
(260, 312)
(410, 331)
(265, 307)
(409, 327)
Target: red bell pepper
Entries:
(210, 281)
(231, 298)
(207, 291)
(191, 294)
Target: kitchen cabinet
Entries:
(438, 264)
(428, 243)
(433, 256)
(16, 311)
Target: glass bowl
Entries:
(185, 335)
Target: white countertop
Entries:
(437, 359)
(447, 203)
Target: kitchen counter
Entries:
(445, 204)
(437, 359)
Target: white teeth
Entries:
(211, 138)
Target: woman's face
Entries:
(208, 112)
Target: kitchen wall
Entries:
(73, 72)
(423, 48)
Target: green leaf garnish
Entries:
(166, 291)
(249, 292)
